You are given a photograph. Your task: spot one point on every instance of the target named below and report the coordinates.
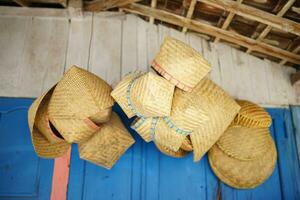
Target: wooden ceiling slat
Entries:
(153, 5)
(98, 5)
(23, 3)
(227, 21)
(265, 32)
(256, 15)
(190, 13)
(214, 31)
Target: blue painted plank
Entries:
(144, 173)
(23, 175)
(268, 190)
(296, 122)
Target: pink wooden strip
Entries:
(61, 177)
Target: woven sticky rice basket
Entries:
(176, 154)
(79, 97)
(245, 143)
(221, 110)
(107, 145)
(186, 116)
(180, 64)
(147, 95)
(187, 144)
(252, 115)
(46, 144)
(242, 174)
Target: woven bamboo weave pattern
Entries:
(119, 92)
(78, 96)
(42, 146)
(106, 146)
(245, 143)
(180, 64)
(143, 128)
(177, 154)
(152, 95)
(221, 109)
(239, 173)
(187, 113)
(252, 115)
(187, 144)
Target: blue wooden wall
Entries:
(22, 174)
(142, 173)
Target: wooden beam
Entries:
(227, 21)
(212, 30)
(296, 50)
(265, 32)
(190, 13)
(295, 78)
(153, 5)
(75, 8)
(23, 3)
(296, 10)
(256, 15)
(99, 5)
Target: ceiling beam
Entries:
(265, 32)
(99, 5)
(227, 21)
(214, 31)
(22, 3)
(153, 5)
(256, 15)
(190, 13)
(296, 50)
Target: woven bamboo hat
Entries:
(80, 101)
(107, 145)
(176, 154)
(47, 142)
(170, 132)
(144, 95)
(180, 64)
(245, 143)
(243, 173)
(221, 110)
(252, 115)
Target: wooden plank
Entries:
(60, 177)
(227, 21)
(23, 3)
(153, 5)
(105, 53)
(12, 39)
(152, 43)
(287, 155)
(243, 84)
(211, 54)
(296, 119)
(163, 32)
(296, 50)
(227, 69)
(38, 70)
(37, 12)
(276, 85)
(266, 30)
(256, 15)
(179, 35)
(190, 13)
(79, 41)
(211, 30)
(100, 5)
(142, 45)
(129, 45)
